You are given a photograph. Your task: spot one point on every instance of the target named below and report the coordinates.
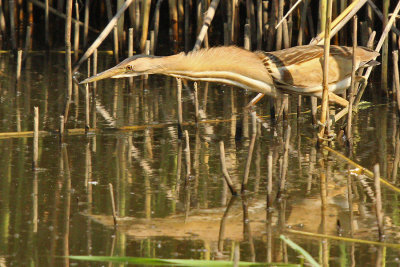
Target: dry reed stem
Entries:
(157, 22)
(68, 59)
(179, 98)
(187, 154)
(207, 22)
(59, 14)
(76, 33)
(378, 48)
(340, 21)
(325, 93)
(145, 23)
(251, 149)
(361, 169)
(114, 213)
(86, 23)
(46, 22)
(103, 34)
(396, 78)
(225, 170)
(19, 65)
(196, 103)
(35, 138)
(353, 83)
(344, 239)
(378, 202)
(87, 109)
(380, 16)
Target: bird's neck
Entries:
(229, 65)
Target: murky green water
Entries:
(64, 206)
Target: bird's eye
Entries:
(129, 67)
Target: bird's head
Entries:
(133, 66)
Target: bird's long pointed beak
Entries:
(114, 71)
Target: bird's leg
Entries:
(255, 100)
(334, 98)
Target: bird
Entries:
(296, 70)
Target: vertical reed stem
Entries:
(46, 24)
(114, 213)
(19, 64)
(86, 23)
(61, 129)
(156, 22)
(353, 82)
(11, 7)
(378, 202)
(35, 138)
(76, 32)
(196, 103)
(145, 23)
(68, 63)
(179, 97)
(130, 42)
(396, 78)
(385, 49)
(94, 72)
(87, 109)
(187, 155)
(325, 96)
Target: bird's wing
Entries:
(301, 66)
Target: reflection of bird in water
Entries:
(296, 70)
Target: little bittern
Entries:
(296, 70)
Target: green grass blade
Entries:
(300, 250)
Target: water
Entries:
(64, 207)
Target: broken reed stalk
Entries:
(58, 14)
(187, 155)
(325, 93)
(76, 33)
(224, 169)
(87, 108)
(378, 48)
(378, 202)
(251, 149)
(68, 63)
(114, 213)
(103, 34)
(352, 86)
(19, 65)
(380, 16)
(206, 23)
(35, 138)
(196, 103)
(179, 98)
(340, 21)
(396, 79)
